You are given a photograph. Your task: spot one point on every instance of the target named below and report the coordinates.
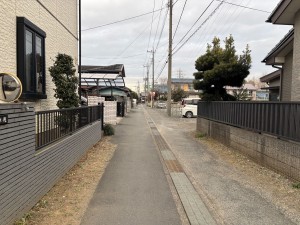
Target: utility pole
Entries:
(170, 60)
(147, 79)
(152, 89)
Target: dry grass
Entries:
(67, 201)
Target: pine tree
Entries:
(220, 67)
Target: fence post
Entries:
(102, 115)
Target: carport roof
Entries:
(103, 76)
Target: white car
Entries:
(189, 107)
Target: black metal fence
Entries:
(55, 124)
(281, 119)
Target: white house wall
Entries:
(58, 39)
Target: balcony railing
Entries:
(281, 119)
(55, 124)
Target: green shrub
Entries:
(296, 185)
(108, 130)
(200, 135)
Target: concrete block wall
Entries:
(26, 174)
(110, 112)
(279, 155)
(110, 109)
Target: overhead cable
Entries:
(195, 23)
(246, 7)
(210, 15)
(119, 21)
(179, 19)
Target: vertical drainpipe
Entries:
(280, 81)
(79, 50)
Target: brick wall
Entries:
(279, 155)
(26, 174)
(58, 39)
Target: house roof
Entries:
(247, 86)
(102, 76)
(270, 76)
(112, 69)
(182, 80)
(284, 12)
(281, 49)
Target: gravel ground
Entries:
(237, 190)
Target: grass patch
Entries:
(23, 220)
(296, 185)
(200, 135)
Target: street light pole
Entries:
(170, 60)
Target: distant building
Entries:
(252, 93)
(274, 84)
(182, 83)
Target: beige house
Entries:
(33, 32)
(285, 56)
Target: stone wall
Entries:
(279, 155)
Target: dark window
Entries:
(31, 59)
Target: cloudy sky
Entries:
(125, 32)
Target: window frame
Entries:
(24, 24)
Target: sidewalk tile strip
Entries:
(173, 166)
(167, 155)
(196, 210)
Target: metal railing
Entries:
(52, 125)
(281, 119)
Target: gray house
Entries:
(285, 56)
(274, 84)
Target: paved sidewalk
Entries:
(134, 188)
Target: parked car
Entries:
(161, 105)
(189, 107)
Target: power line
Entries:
(210, 15)
(179, 19)
(246, 7)
(113, 57)
(162, 2)
(162, 29)
(151, 24)
(195, 23)
(119, 21)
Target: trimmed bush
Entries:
(108, 130)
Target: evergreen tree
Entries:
(220, 67)
(63, 76)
